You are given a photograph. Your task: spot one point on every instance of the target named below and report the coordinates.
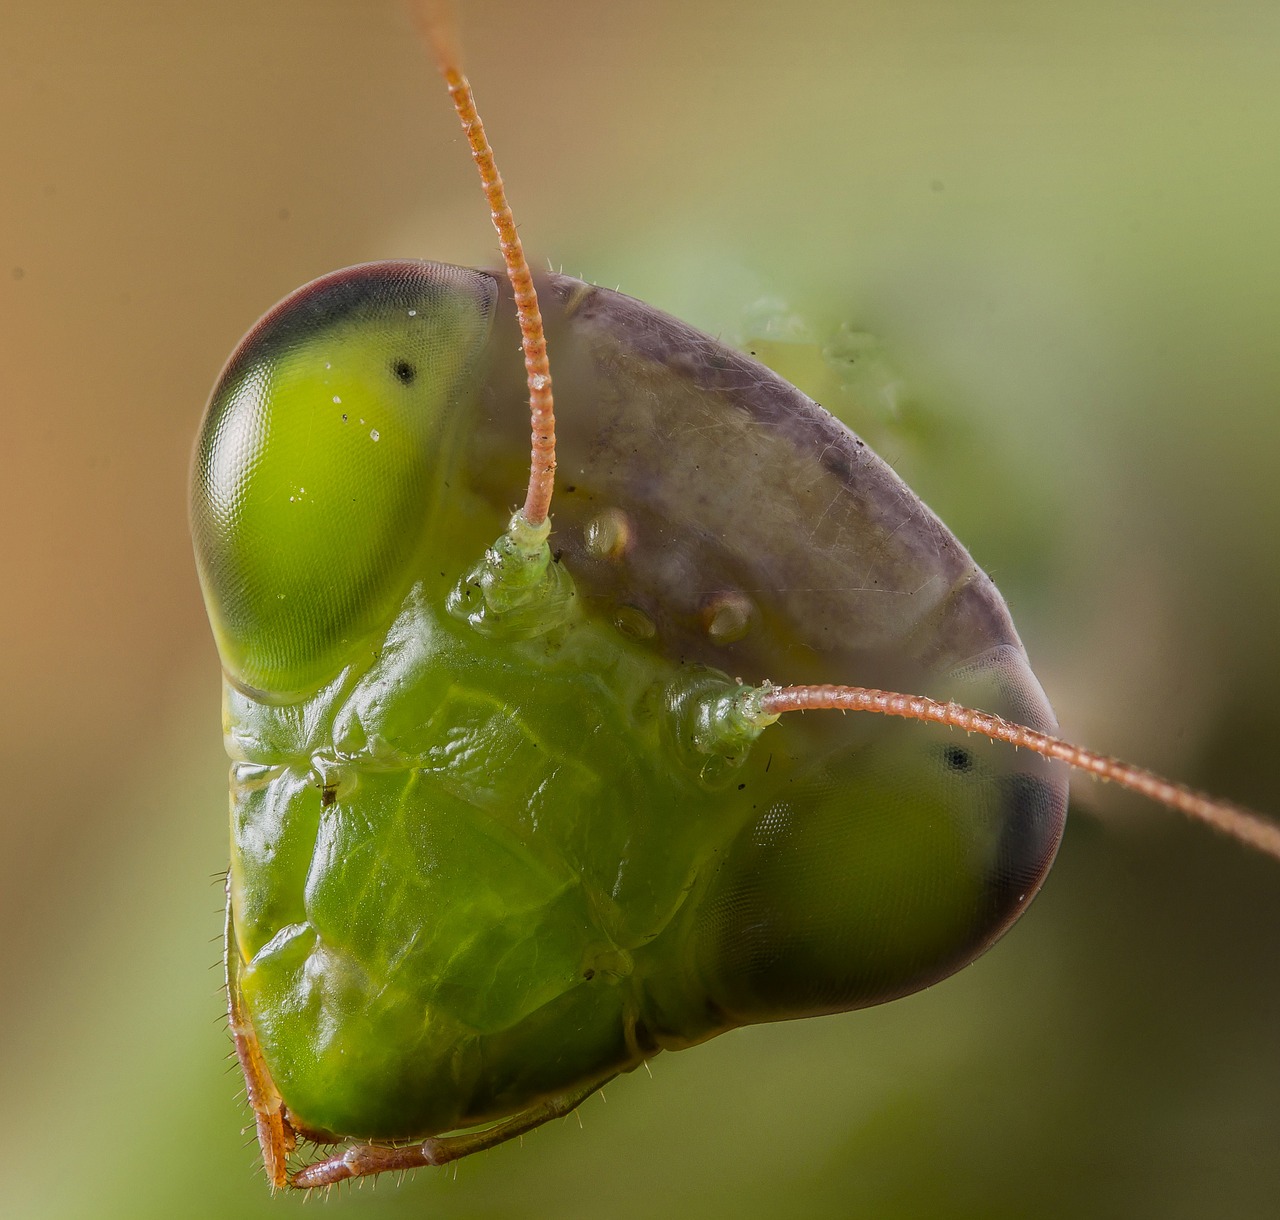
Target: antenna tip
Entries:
(438, 26)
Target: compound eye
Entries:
(879, 871)
(320, 461)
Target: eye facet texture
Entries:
(319, 463)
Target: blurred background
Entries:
(1031, 251)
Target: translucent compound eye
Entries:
(320, 459)
(878, 872)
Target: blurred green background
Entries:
(1060, 221)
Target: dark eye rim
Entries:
(413, 283)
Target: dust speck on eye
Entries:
(374, 434)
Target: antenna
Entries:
(752, 709)
(436, 22)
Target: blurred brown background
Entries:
(1061, 223)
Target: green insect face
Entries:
(321, 461)
(485, 851)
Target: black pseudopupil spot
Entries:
(958, 759)
(404, 371)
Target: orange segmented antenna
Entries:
(762, 705)
(756, 707)
(435, 20)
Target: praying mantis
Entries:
(254, 675)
